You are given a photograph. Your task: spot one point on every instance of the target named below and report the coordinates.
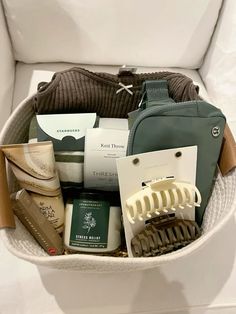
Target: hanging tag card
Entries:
(135, 170)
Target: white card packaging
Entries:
(102, 148)
(113, 123)
(135, 170)
(66, 131)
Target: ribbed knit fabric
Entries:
(79, 90)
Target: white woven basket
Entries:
(220, 209)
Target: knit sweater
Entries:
(79, 90)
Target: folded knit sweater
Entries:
(79, 90)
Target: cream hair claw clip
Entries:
(160, 196)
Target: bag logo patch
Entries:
(215, 131)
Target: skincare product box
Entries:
(36, 223)
(35, 169)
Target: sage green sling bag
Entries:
(160, 124)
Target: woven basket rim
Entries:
(149, 262)
(136, 263)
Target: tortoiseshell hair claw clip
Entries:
(163, 235)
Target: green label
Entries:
(89, 224)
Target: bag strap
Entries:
(156, 92)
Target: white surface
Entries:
(219, 68)
(151, 33)
(206, 281)
(7, 71)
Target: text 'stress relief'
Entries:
(90, 220)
